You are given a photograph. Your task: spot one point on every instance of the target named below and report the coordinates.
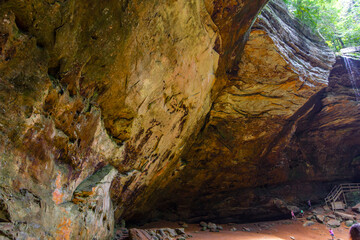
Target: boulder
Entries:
(139, 234)
(212, 227)
(151, 232)
(162, 233)
(345, 216)
(180, 231)
(310, 217)
(203, 224)
(318, 210)
(320, 218)
(170, 232)
(356, 208)
(333, 223)
(349, 223)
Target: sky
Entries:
(343, 4)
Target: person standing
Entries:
(332, 233)
(293, 217)
(309, 204)
(301, 213)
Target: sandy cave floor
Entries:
(277, 230)
(271, 230)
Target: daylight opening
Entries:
(337, 21)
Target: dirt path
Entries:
(274, 230)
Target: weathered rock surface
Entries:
(356, 208)
(139, 234)
(30, 216)
(84, 85)
(320, 218)
(345, 216)
(163, 233)
(333, 223)
(324, 139)
(197, 122)
(233, 153)
(349, 223)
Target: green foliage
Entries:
(337, 21)
(352, 198)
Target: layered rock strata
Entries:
(323, 145)
(232, 172)
(88, 84)
(165, 98)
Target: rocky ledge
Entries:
(235, 170)
(172, 109)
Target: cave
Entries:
(114, 112)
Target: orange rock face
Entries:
(178, 106)
(234, 170)
(112, 82)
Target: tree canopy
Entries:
(337, 21)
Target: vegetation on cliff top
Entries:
(337, 21)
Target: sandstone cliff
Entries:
(85, 84)
(232, 172)
(175, 109)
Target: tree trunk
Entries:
(341, 42)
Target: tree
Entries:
(337, 21)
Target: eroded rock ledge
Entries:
(182, 107)
(88, 84)
(235, 170)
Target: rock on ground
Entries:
(333, 223)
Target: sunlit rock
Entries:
(228, 170)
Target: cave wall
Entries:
(283, 131)
(324, 143)
(235, 170)
(85, 85)
(172, 109)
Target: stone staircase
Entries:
(336, 199)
